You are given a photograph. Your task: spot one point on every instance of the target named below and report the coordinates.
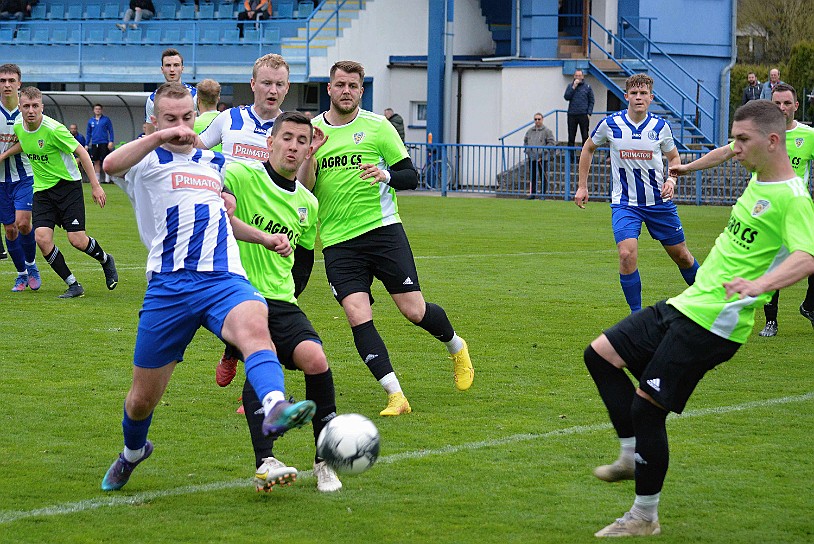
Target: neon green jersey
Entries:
(768, 223)
(202, 121)
(349, 205)
(800, 147)
(50, 151)
(265, 205)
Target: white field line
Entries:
(10, 516)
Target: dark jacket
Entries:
(580, 100)
(751, 92)
(143, 4)
(397, 121)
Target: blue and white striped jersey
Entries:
(636, 152)
(15, 168)
(242, 133)
(181, 216)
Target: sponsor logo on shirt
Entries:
(183, 180)
(37, 158)
(760, 207)
(352, 161)
(635, 154)
(8, 138)
(244, 151)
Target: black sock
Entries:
(652, 449)
(57, 262)
(251, 406)
(231, 352)
(437, 323)
(372, 350)
(770, 309)
(808, 303)
(320, 389)
(95, 250)
(616, 390)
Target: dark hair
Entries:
(350, 67)
(11, 69)
(171, 53)
(766, 116)
(97, 104)
(783, 87)
(295, 117)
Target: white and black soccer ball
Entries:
(349, 443)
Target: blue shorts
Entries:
(662, 222)
(18, 195)
(176, 304)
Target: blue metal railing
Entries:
(703, 116)
(331, 16)
(503, 171)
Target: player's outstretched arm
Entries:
(585, 158)
(712, 159)
(273, 242)
(126, 157)
(797, 266)
(13, 150)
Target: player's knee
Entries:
(138, 406)
(309, 357)
(11, 231)
(23, 227)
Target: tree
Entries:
(787, 22)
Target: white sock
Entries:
(646, 507)
(391, 383)
(627, 447)
(455, 345)
(133, 455)
(271, 399)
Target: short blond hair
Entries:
(208, 92)
(272, 60)
(173, 89)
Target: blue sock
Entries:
(689, 273)
(135, 432)
(29, 246)
(264, 372)
(632, 288)
(15, 250)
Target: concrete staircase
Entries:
(324, 29)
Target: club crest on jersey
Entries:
(760, 207)
(302, 213)
(358, 137)
(41, 143)
(651, 135)
(799, 142)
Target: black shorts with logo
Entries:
(383, 253)
(289, 326)
(62, 205)
(668, 352)
(98, 152)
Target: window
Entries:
(418, 114)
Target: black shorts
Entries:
(289, 326)
(62, 205)
(98, 152)
(383, 253)
(668, 352)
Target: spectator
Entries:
(15, 9)
(395, 120)
(752, 90)
(536, 137)
(139, 10)
(76, 134)
(99, 139)
(580, 99)
(254, 10)
(768, 87)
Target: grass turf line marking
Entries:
(10, 516)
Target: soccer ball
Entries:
(349, 443)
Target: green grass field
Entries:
(528, 284)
